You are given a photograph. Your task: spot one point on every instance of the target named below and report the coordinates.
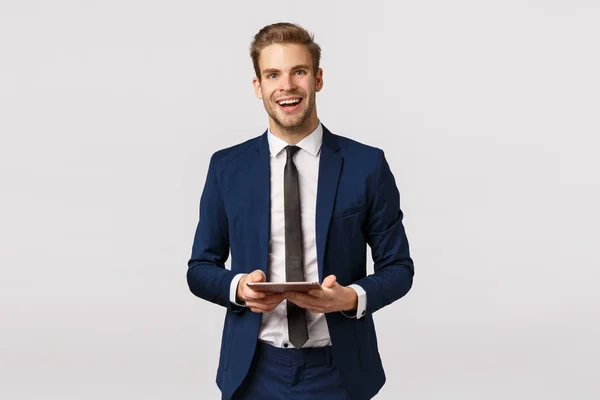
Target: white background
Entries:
(488, 112)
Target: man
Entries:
(298, 203)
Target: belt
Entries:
(307, 356)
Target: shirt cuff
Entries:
(233, 290)
(361, 306)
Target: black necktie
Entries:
(294, 260)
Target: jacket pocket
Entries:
(229, 342)
(348, 212)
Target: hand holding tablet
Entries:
(281, 287)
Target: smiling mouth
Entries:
(289, 105)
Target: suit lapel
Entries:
(330, 167)
(260, 175)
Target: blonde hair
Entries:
(284, 32)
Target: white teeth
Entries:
(292, 101)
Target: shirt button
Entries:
(285, 345)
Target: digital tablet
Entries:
(280, 287)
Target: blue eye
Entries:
(300, 72)
(271, 76)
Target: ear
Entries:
(257, 88)
(319, 80)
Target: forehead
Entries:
(284, 56)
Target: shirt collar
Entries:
(311, 143)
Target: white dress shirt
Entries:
(274, 326)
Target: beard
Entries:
(290, 123)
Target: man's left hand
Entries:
(331, 297)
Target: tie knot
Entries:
(291, 150)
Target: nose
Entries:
(287, 83)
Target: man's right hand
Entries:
(258, 302)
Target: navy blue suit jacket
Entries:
(357, 204)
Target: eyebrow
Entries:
(295, 67)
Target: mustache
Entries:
(289, 94)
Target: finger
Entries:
(251, 294)
(271, 300)
(257, 307)
(294, 295)
(262, 307)
(253, 308)
(302, 300)
(258, 276)
(329, 281)
(311, 308)
(312, 303)
(268, 299)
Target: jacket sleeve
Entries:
(206, 275)
(384, 231)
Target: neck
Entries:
(295, 134)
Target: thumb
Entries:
(258, 276)
(329, 281)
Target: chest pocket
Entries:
(348, 211)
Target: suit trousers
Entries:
(294, 374)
